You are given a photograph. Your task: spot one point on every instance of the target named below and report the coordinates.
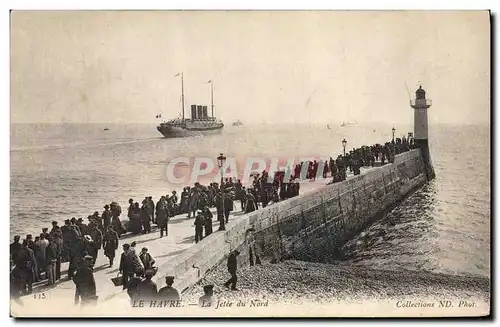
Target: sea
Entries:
(60, 171)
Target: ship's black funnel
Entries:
(200, 112)
(193, 111)
(205, 112)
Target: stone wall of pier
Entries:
(300, 227)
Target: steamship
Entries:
(198, 123)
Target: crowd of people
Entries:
(140, 287)
(143, 291)
(37, 259)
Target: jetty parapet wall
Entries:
(321, 219)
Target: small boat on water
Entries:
(237, 123)
(106, 129)
(344, 124)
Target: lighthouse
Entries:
(421, 128)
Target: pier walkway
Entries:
(180, 238)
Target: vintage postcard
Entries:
(250, 164)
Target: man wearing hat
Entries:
(128, 264)
(83, 228)
(147, 290)
(162, 216)
(228, 204)
(184, 201)
(106, 217)
(219, 204)
(110, 244)
(90, 247)
(51, 257)
(232, 266)
(95, 233)
(69, 237)
(207, 299)
(130, 208)
(145, 216)
(24, 264)
(33, 248)
(132, 285)
(15, 247)
(151, 208)
(85, 282)
(199, 222)
(168, 293)
(207, 215)
(57, 238)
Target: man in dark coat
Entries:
(162, 216)
(95, 233)
(151, 208)
(147, 290)
(232, 266)
(106, 217)
(208, 220)
(15, 247)
(168, 293)
(25, 265)
(17, 285)
(199, 222)
(97, 220)
(81, 226)
(145, 217)
(66, 231)
(127, 265)
(228, 205)
(51, 256)
(219, 205)
(116, 211)
(57, 237)
(31, 249)
(132, 285)
(85, 282)
(130, 207)
(184, 205)
(89, 248)
(110, 244)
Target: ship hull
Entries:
(175, 131)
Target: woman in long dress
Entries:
(135, 226)
(250, 205)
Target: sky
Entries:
(266, 66)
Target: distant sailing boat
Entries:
(199, 122)
(344, 124)
(328, 126)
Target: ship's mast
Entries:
(212, 96)
(182, 99)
